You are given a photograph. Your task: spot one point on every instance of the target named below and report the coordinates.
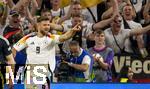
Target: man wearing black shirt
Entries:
(6, 58)
(13, 31)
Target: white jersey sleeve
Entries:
(55, 38)
(21, 44)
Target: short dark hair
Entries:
(76, 2)
(42, 18)
(13, 13)
(45, 10)
(73, 43)
(99, 32)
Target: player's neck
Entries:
(40, 35)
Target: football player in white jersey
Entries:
(40, 46)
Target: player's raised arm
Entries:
(70, 33)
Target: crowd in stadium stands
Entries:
(75, 42)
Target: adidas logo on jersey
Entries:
(32, 43)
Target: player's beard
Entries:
(44, 32)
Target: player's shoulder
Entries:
(52, 36)
(26, 37)
(3, 40)
(30, 35)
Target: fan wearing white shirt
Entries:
(120, 35)
(127, 15)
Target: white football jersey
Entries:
(39, 50)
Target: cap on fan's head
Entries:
(13, 13)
